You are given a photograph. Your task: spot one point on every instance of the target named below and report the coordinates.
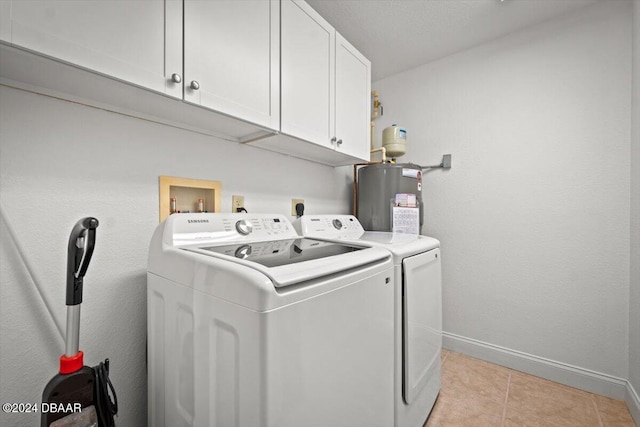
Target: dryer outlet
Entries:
(294, 202)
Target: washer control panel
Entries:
(259, 227)
(217, 228)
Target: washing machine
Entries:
(417, 308)
(251, 325)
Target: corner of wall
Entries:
(633, 401)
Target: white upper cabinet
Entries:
(353, 100)
(231, 51)
(139, 42)
(308, 67)
(232, 58)
(326, 85)
(272, 73)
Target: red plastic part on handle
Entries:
(71, 364)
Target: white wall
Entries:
(534, 215)
(60, 161)
(634, 315)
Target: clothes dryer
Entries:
(418, 308)
(251, 325)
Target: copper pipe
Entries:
(355, 188)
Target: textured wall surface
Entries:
(61, 161)
(534, 215)
(411, 33)
(634, 315)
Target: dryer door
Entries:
(422, 320)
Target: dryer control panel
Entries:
(329, 226)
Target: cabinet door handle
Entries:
(333, 140)
(195, 85)
(339, 142)
(175, 77)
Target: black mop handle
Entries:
(75, 384)
(81, 243)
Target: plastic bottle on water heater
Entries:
(394, 140)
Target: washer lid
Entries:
(283, 252)
(292, 261)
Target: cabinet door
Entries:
(353, 100)
(231, 58)
(135, 41)
(307, 67)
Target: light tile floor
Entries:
(476, 393)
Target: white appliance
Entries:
(251, 325)
(418, 309)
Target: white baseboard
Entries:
(633, 403)
(573, 376)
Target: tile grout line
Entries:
(595, 405)
(506, 398)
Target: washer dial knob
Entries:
(337, 224)
(244, 227)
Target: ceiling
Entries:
(397, 35)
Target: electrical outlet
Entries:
(294, 202)
(446, 161)
(237, 202)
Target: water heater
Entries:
(380, 186)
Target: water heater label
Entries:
(412, 173)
